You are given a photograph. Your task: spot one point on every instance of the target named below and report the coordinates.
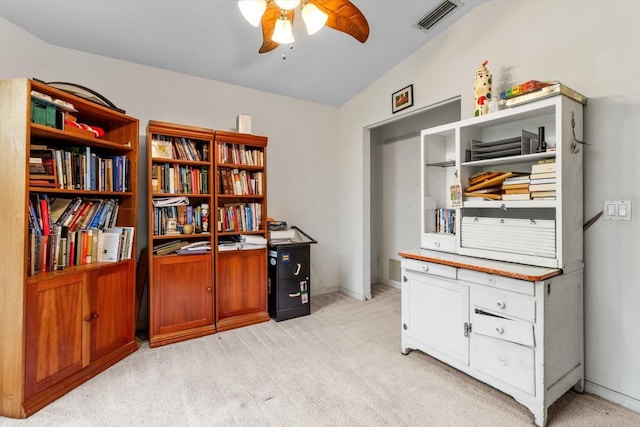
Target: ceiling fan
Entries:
(276, 17)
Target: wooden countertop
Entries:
(508, 269)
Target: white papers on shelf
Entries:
(253, 239)
(170, 201)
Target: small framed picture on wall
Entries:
(402, 99)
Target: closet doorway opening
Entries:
(394, 189)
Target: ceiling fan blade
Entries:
(344, 16)
(269, 18)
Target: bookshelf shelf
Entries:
(240, 196)
(70, 138)
(181, 162)
(240, 166)
(86, 268)
(88, 193)
(44, 260)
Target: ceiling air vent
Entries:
(436, 14)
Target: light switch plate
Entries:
(617, 210)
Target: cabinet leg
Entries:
(540, 417)
(404, 349)
(579, 386)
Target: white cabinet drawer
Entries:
(496, 281)
(510, 363)
(429, 268)
(504, 329)
(504, 303)
(439, 242)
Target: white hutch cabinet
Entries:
(499, 295)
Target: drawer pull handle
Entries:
(499, 330)
(436, 244)
(424, 268)
(297, 294)
(501, 304)
(502, 361)
(298, 267)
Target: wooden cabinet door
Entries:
(111, 308)
(56, 331)
(241, 288)
(181, 295)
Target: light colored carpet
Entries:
(340, 366)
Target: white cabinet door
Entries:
(435, 312)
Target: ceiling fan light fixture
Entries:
(283, 32)
(287, 4)
(252, 10)
(314, 19)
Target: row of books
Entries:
(182, 247)
(240, 155)
(445, 220)
(78, 213)
(179, 179)
(63, 248)
(240, 217)
(197, 215)
(171, 147)
(76, 169)
(239, 182)
(538, 184)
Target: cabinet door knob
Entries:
(499, 329)
(91, 317)
(501, 304)
(424, 268)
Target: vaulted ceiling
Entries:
(211, 39)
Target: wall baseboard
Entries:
(391, 283)
(613, 396)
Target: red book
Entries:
(44, 253)
(44, 212)
(72, 248)
(85, 242)
(79, 215)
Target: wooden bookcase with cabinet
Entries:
(181, 290)
(240, 209)
(62, 326)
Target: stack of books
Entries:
(487, 185)
(516, 187)
(195, 248)
(169, 247)
(252, 241)
(542, 184)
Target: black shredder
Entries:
(290, 276)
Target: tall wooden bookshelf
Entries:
(65, 322)
(181, 296)
(241, 206)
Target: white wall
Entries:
(589, 46)
(301, 159)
